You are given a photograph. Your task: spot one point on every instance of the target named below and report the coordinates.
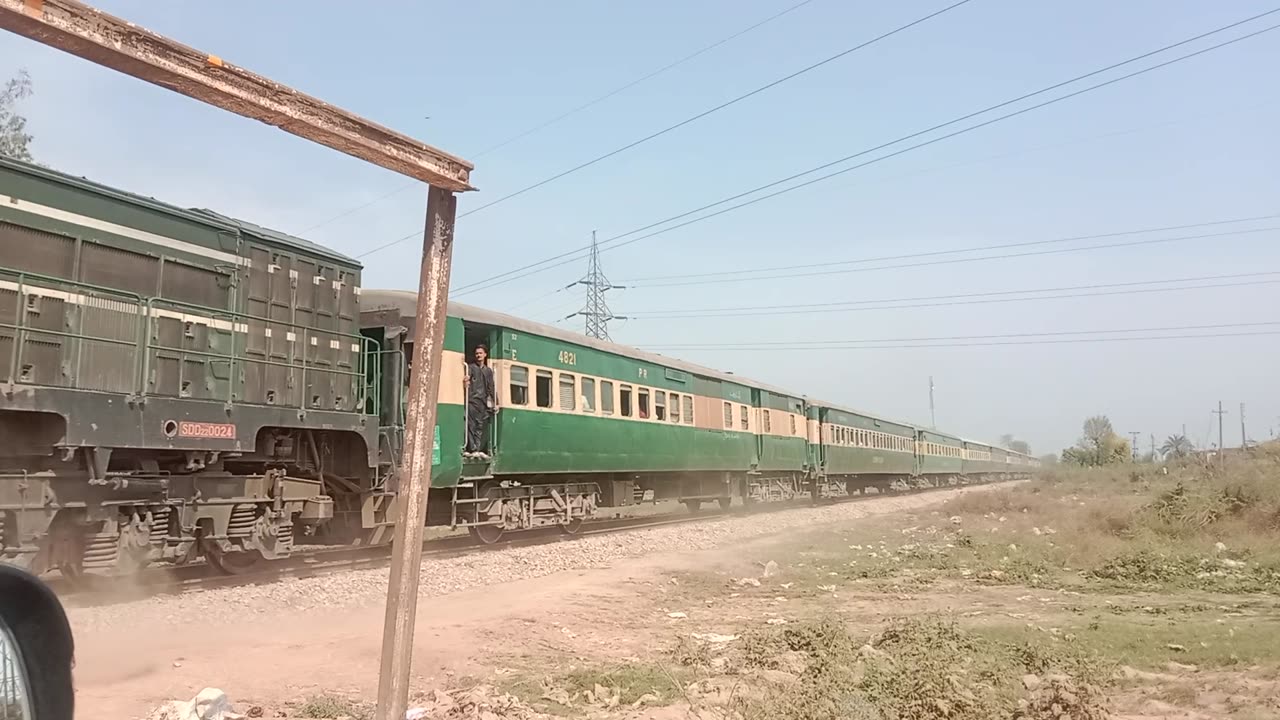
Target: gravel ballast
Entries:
(439, 576)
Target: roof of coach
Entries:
(406, 301)
(202, 216)
(863, 413)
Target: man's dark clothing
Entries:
(480, 406)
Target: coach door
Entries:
(762, 427)
(490, 337)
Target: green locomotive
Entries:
(176, 384)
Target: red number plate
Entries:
(215, 431)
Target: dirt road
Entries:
(277, 646)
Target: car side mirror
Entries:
(36, 650)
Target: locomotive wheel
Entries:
(231, 563)
(571, 528)
(486, 534)
(726, 503)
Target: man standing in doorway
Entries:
(481, 404)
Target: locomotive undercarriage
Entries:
(60, 517)
(103, 511)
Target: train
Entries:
(179, 386)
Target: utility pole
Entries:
(933, 417)
(596, 312)
(1153, 447)
(1220, 412)
(1134, 446)
(1244, 438)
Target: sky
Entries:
(1183, 145)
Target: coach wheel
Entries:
(573, 527)
(486, 534)
(235, 562)
(725, 503)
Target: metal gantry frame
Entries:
(109, 41)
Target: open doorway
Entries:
(480, 401)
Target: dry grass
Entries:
(1128, 528)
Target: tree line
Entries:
(1100, 444)
(15, 141)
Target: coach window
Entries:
(568, 389)
(793, 424)
(606, 397)
(644, 403)
(659, 405)
(542, 392)
(764, 417)
(688, 409)
(624, 400)
(588, 394)
(746, 425)
(675, 408)
(728, 416)
(519, 385)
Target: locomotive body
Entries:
(175, 382)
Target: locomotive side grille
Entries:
(107, 357)
(111, 267)
(198, 286)
(36, 251)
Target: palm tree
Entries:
(1176, 447)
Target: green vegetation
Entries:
(1177, 448)
(1086, 590)
(1111, 529)
(922, 669)
(328, 707)
(15, 141)
(1098, 445)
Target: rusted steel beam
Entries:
(415, 484)
(109, 41)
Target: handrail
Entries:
(145, 344)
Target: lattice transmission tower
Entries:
(595, 312)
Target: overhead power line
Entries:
(994, 343)
(824, 344)
(611, 243)
(987, 298)
(686, 121)
(637, 81)
(957, 261)
(567, 114)
(641, 281)
(713, 110)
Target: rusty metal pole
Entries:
(424, 385)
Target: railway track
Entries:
(100, 591)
